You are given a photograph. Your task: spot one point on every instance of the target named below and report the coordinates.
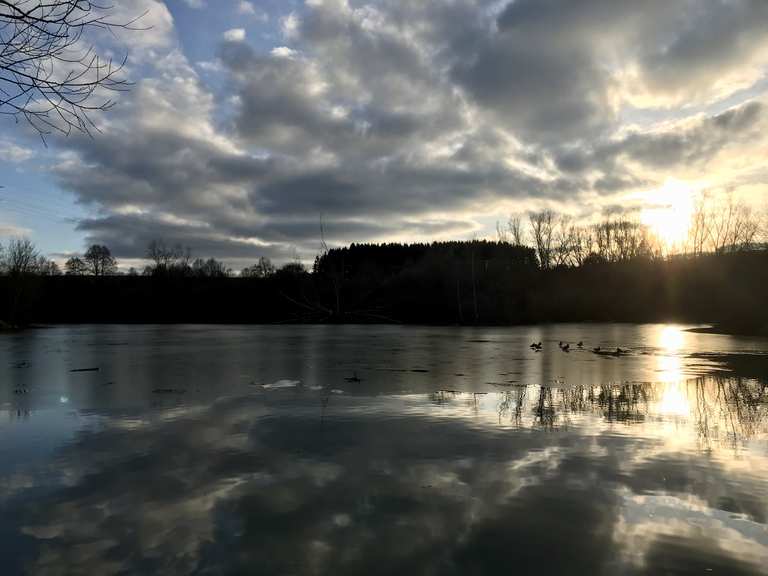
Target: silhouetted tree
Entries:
(542, 230)
(292, 269)
(210, 268)
(262, 269)
(99, 261)
(75, 266)
(516, 231)
(46, 267)
(168, 260)
(21, 257)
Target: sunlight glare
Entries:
(669, 365)
(668, 212)
(671, 338)
(674, 400)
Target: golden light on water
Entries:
(674, 398)
(671, 338)
(668, 212)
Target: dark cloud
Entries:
(379, 115)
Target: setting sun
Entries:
(669, 211)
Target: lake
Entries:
(382, 449)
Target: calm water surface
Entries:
(381, 450)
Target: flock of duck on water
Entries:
(566, 347)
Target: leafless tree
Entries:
(564, 238)
(722, 226)
(516, 231)
(542, 230)
(50, 74)
(731, 226)
(582, 244)
(502, 235)
(167, 257)
(210, 268)
(99, 261)
(623, 239)
(262, 269)
(46, 267)
(75, 266)
(21, 257)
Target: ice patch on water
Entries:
(282, 384)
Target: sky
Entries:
(251, 126)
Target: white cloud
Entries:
(289, 26)
(235, 35)
(11, 152)
(283, 52)
(248, 9)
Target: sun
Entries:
(668, 212)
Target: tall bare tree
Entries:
(21, 257)
(50, 75)
(542, 230)
(516, 231)
(99, 261)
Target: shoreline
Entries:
(726, 331)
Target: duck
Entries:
(353, 378)
(596, 349)
(566, 347)
(580, 344)
(536, 346)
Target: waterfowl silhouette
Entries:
(566, 347)
(353, 378)
(580, 344)
(596, 349)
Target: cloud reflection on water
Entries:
(451, 483)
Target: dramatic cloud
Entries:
(414, 121)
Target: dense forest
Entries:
(612, 271)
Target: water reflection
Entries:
(556, 473)
(302, 481)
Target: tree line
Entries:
(542, 267)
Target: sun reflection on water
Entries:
(669, 363)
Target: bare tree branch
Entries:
(50, 76)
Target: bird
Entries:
(536, 346)
(353, 378)
(566, 347)
(596, 349)
(580, 344)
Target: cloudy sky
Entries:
(249, 122)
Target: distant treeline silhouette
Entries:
(612, 271)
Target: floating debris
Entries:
(281, 384)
